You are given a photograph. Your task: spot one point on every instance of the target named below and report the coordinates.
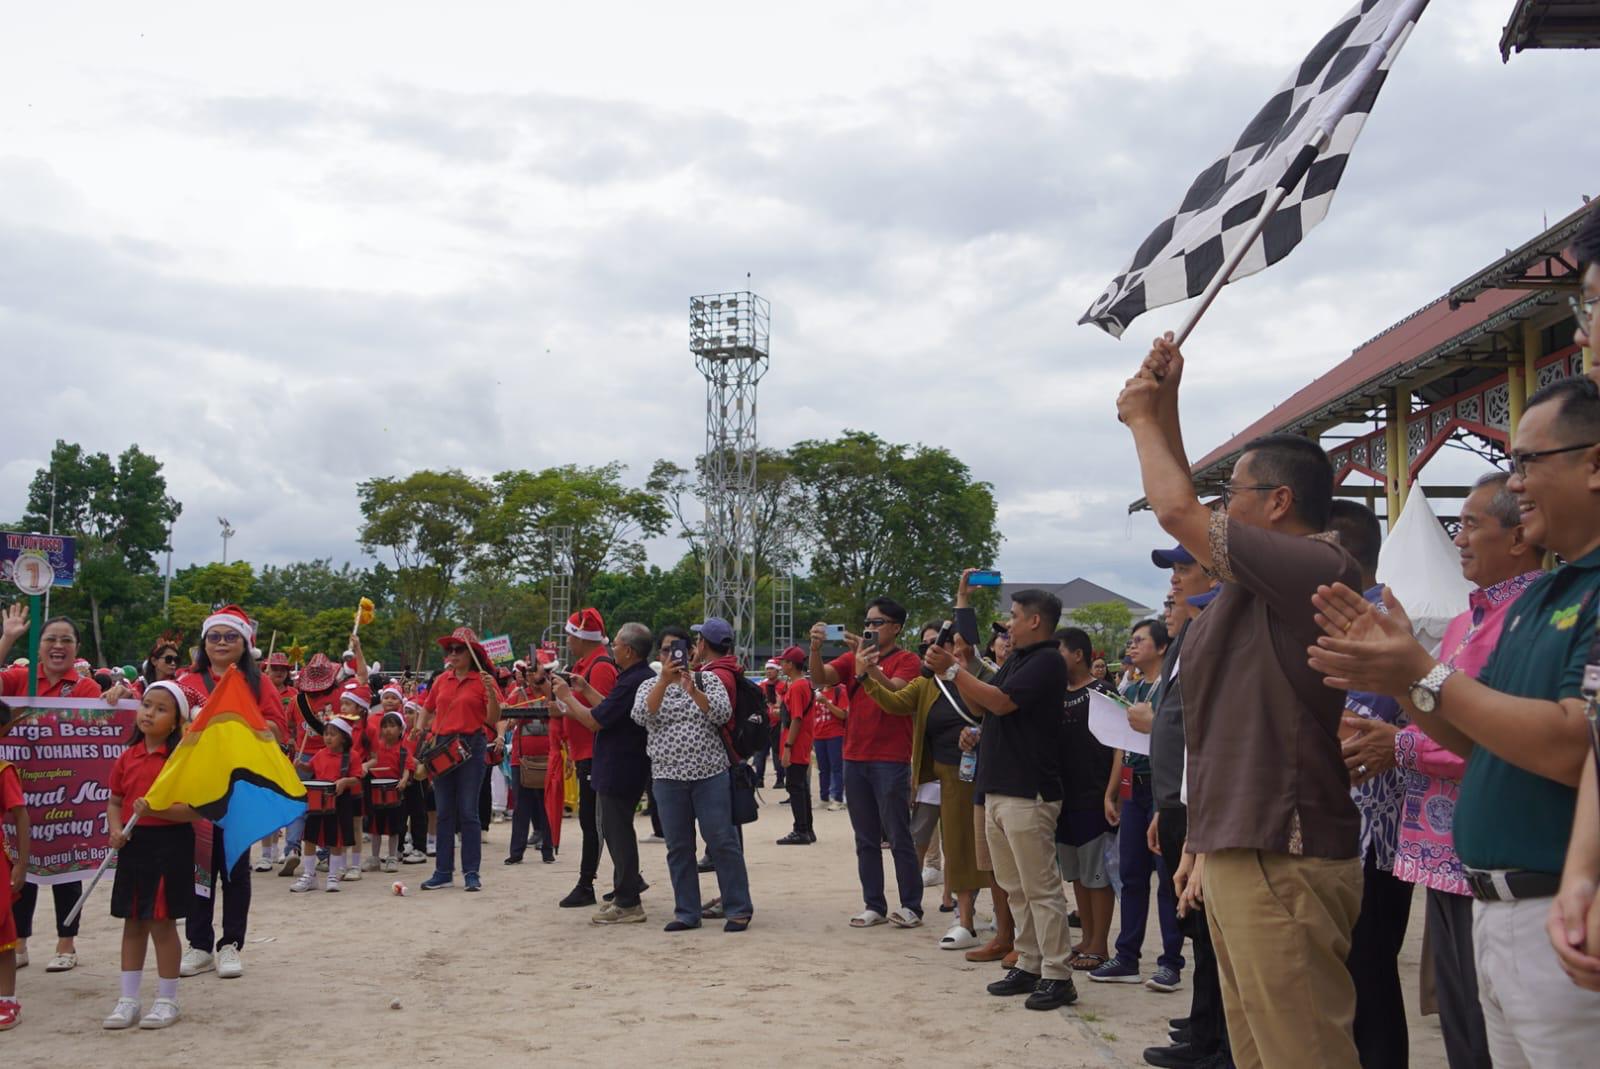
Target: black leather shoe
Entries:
(1052, 995)
(1016, 982)
(1178, 1022)
(705, 865)
(581, 895)
(795, 838)
(513, 861)
(1177, 1056)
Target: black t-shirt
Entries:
(943, 735)
(1019, 756)
(1085, 760)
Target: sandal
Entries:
(1086, 962)
(867, 918)
(902, 917)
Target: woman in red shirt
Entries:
(57, 678)
(225, 641)
(461, 702)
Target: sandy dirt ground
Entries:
(507, 976)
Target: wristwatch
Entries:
(1425, 691)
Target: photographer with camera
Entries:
(621, 770)
(586, 638)
(877, 760)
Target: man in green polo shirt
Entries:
(1521, 725)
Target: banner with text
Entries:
(498, 647)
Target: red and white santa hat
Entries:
(392, 688)
(395, 714)
(586, 625)
(233, 618)
(342, 725)
(187, 698)
(358, 693)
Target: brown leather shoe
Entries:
(1010, 961)
(990, 951)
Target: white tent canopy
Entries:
(1423, 569)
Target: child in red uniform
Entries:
(392, 760)
(155, 861)
(828, 742)
(332, 828)
(11, 879)
(794, 752)
(355, 706)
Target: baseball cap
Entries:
(794, 655)
(1166, 558)
(1200, 601)
(715, 630)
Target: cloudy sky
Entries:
(291, 251)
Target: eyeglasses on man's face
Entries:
(1583, 311)
(1520, 461)
(1229, 491)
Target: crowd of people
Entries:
(1308, 763)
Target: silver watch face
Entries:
(1423, 698)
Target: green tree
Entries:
(1107, 624)
(314, 585)
(650, 595)
(609, 522)
(891, 519)
(121, 514)
(430, 522)
(779, 524)
(215, 584)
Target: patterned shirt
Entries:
(1427, 852)
(1378, 798)
(683, 742)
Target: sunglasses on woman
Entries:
(170, 658)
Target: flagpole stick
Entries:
(105, 862)
(272, 646)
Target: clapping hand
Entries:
(1362, 648)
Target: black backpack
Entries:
(747, 732)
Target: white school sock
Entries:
(167, 988)
(336, 863)
(130, 983)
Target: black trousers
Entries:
(528, 812)
(235, 890)
(1374, 964)
(797, 778)
(1208, 1026)
(589, 863)
(66, 896)
(655, 818)
(616, 824)
(1455, 975)
(414, 810)
(486, 799)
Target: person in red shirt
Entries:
(355, 706)
(462, 700)
(391, 760)
(828, 744)
(226, 639)
(593, 675)
(335, 775)
(154, 885)
(315, 696)
(11, 883)
(276, 669)
(56, 678)
(772, 688)
(794, 752)
(877, 761)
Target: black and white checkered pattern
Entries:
(1186, 250)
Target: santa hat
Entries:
(586, 625)
(349, 655)
(186, 698)
(393, 714)
(82, 665)
(413, 704)
(392, 688)
(233, 618)
(342, 725)
(358, 693)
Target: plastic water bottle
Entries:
(968, 769)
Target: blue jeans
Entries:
(878, 795)
(455, 796)
(1137, 865)
(830, 768)
(711, 800)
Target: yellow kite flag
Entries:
(229, 769)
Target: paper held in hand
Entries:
(1108, 722)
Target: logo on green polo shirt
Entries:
(1566, 619)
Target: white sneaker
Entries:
(351, 874)
(932, 877)
(263, 863)
(195, 962)
(229, 967)
(391, 864)
(653, 839)
(163, 1012)
(369, 864)
(124, 1015)
(307, 880)
(22, 955)
(333, 883)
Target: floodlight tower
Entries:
(560, 587)
(782, 613)
(728, 334)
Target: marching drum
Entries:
(319, 796)
(441, 755)
(384, 793)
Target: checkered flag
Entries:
(1292, 155)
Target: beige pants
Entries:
(1022, 845)
(1281, 926)
(1534, 1014)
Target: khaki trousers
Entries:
(1022, 844)
(1281, 926)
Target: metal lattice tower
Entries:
(782, 613)
(728, 334)
(560, 587)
